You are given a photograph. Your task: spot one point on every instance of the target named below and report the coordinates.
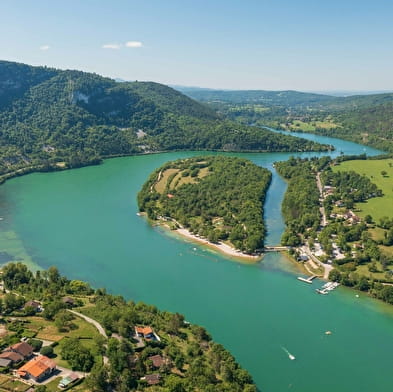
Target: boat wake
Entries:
(290, 356)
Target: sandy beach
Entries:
(224, 248)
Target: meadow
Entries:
(377, 207)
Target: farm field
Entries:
(377, 207)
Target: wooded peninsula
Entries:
(215, 197)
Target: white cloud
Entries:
(111, 46)
(44, 47)
(134, 44)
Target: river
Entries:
(84, 221)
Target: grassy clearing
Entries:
(310, 126)
(178, 179)
(46, 330)
(387, 250)
(160, 185)
(377, 234)
(377, 207)
(380, 275)
(15, 385)
(52, 386)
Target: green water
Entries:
(84, 221)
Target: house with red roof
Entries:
(37, 369)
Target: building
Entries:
(157, 360)
(12, 357)
(17, 352)
(33, 304)
(4, 362)
(152, 379)
(37, 369)
(145, 332)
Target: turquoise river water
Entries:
(84, 221)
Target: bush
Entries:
(35, 343)
(47, 351)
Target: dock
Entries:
(307, 280)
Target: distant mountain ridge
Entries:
(51, 118)
(366, 119)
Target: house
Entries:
(157, 360)
(4, 362)
(68, 301)
(145, 332)
(68, 380)
(33, 304)
(152, 379)
(37, 369)
(23, 349)
(13, 357)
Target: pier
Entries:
(307, 280)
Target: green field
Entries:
(309, 126)
(378, 206)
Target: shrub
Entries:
(47, 351)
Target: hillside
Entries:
(363, 119)
(120, 345)
(52, 119)
(218, 198)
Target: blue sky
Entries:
(233, 44)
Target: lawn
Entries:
(377, 207)
(52, 386)
(48, 331)
(363, 270)
(15, 385)
(377, 234)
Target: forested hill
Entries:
(139, 347)
(366, 119)
(288, 98)
(52, 118)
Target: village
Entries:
(318, 258)
(32, 363)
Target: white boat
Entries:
(290, 356)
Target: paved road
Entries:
(99, 327)
(327, 267)
(321, 208)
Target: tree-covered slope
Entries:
(366, 119)
(49, 116)
(219, 198)
(172, 356)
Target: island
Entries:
(339, 220)
(61, 334)
(215, 199)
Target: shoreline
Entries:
(222, 248)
